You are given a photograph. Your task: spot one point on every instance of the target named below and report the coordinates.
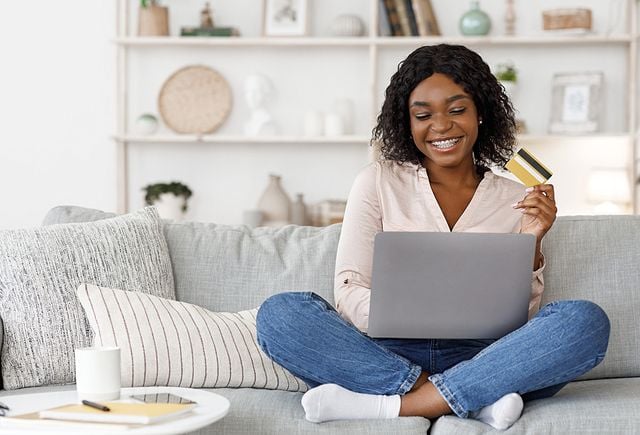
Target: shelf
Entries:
(235, 41)
(222, 139)
(503, 40)
(366, 41)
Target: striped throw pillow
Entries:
(171, 343)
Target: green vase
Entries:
(475, 22)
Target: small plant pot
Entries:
(170, 206)
(153, 21)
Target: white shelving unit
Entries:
(376, 47)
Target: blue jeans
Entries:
(306, 335)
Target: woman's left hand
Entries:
(538, 210)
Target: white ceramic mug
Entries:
(252, 218)
(98, 373)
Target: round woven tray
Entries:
(194, 99)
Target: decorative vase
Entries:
(170, 206)
(344, 107)
(313, 123)
(299, 211)
(510, 19)
(347, 25)
(274, 203)
(475, 22)
(153, 20)
(333, 125)
(146, 124)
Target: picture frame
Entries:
(285, 18)
(576, 102)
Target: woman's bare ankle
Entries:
(422, 379)
(424, 401)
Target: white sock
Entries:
(501, 414)
(332, 402)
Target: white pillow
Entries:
(165, 342)
(40, 269)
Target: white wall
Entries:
(56, 111)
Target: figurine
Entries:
(258, 89)
(206, 19)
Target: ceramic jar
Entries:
(146, 124)
(347, 25)
(475, 22)
(299, 211)
(274, 203)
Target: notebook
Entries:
(120, 412)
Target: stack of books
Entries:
(407, 18)
(209, 31)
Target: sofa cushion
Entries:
(234, 268)
(280, 412)
(42, 267)
(604, 406)
(177, 344)
(596, 258)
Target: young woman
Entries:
(444, 121)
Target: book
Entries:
(120, 412)
(403, 16)
(420, 18)
(209, 31)
(411, 18)
(384, 28)
(424, 12)
(393, 17)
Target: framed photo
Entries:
(285, 17)
(576, 102)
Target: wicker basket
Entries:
(195, 99)
(562, 19)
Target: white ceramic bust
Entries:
(257, 90)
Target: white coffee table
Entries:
(211, 408)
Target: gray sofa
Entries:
(232, 268)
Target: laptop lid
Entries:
(450, 285)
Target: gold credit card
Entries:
(528, 169)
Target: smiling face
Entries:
(444, 122)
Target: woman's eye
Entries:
(423, 116)
(458, 110)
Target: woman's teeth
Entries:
(444, 144)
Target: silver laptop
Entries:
(450, 285)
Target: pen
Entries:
(96, 405)
(3, 409)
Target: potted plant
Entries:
(153, 19)
(507, 75)
(169, 198)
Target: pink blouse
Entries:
(387, 196)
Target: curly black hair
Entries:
(496, 136)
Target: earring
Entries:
(480, 122)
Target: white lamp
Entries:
(610, 189)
